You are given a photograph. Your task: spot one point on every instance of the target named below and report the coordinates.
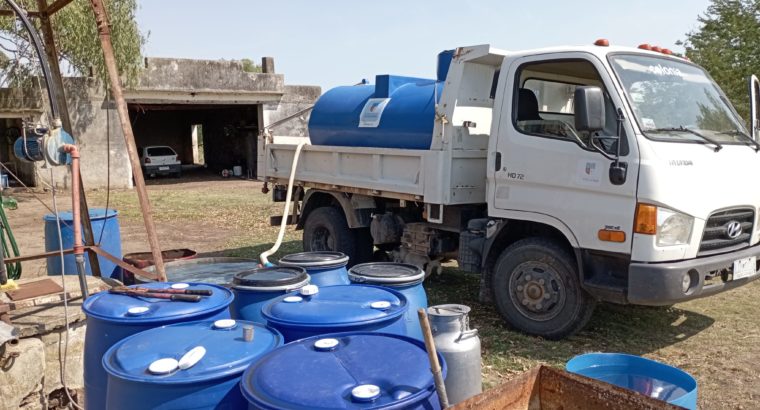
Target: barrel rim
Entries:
(336, 260)
(355, 274)
(68, 216)
(241, 280)
(278, 341)
(137, 320)
(419, 396)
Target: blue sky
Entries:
(331, 43)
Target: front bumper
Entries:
(661, 283)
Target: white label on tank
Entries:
(372, 112)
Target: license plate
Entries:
(163, 168)
(745, 267)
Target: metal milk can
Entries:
(460, 347)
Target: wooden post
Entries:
(48, 39)
(104, 32)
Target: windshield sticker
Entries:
(648, 124)
(372, 112)
(589, 173)
(662, 70)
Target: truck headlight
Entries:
(673, 228)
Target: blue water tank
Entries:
(648, 377)
(344, 371)
(395, 112)
(324, 268)
(256, 287)
(105, 230)
(340, 308)
(402, 277)
(137, 381)
(113, 317)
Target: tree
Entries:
(728, 46)
(249, 66)
(77, 41)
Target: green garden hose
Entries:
(7, 238)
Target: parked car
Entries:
(160, 160)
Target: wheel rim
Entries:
(537, 291)
(321, 240)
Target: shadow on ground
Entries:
(253, 252)
(613, 328)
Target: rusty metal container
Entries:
(460, 346)
(143, 260)
(547, 388)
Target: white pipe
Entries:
(283, 225)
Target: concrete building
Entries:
(210, 112)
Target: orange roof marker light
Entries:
(666, 51)
(645, 46)
(602, 42)
(656, 49)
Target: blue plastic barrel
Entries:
(103, 221)
(112, 317)
(137, 380)
(340, 308)
(255, 288)
(402, 277)
(344, 371)
(324, 268)
(648, 377)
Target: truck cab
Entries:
(564, 176)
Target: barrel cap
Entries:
(386, 274)
(335, 307)
(275, 278)
(316, 260)
(364, 368)
(188, 352)
(116, 308)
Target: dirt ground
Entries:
(716, 339)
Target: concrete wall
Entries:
(164, 81)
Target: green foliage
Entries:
(76, 39)
(249, 66)
(727, 46)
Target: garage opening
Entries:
(10, 130)
(207, 138)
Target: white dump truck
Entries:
(563, 176)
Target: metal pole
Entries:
(56, 81)
(104, 32)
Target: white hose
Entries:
(283, 225)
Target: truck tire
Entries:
(537, 289)
(326, 229)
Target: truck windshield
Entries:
(677, 101)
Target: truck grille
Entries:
(716, 237)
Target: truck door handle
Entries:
(497, 166)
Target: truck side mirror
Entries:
(589, 109)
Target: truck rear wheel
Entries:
(326, 229)
(537, 289)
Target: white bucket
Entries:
(237, 171)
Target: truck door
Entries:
(545, 170)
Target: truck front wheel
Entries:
(326, 229)
(537, 289)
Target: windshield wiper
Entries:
(718, 146)
(743, 135)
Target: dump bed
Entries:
(451, 172)
(439, 177)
